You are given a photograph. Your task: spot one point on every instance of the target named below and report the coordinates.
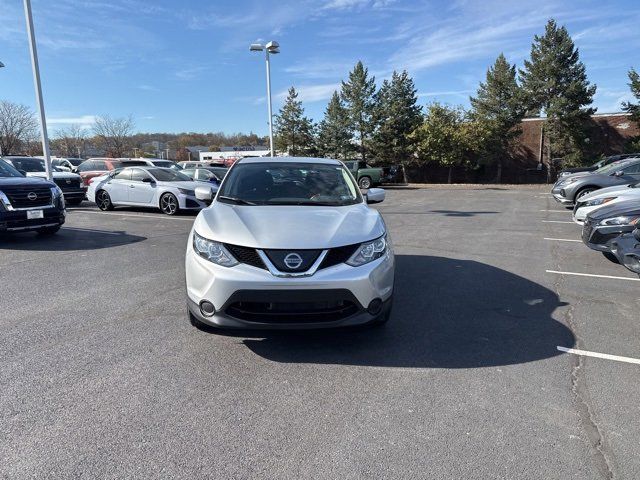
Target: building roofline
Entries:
(595, 115)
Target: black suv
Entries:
(28, 203)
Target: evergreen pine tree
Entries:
(554, 81)
(498, 107)
(334, 132)
(358, 95)
(396, 116)
(293, 131)
(634, 84)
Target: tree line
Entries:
(388, 126)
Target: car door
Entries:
(142, 187)
(118, 186)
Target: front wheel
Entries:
(169, 204)
(104, 201)
(364, 182)
(585, 191)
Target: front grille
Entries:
(67, 183)
(599, 238)
(246, 255)
(298, 260)
(19, 196)
(288, 312)
(338, 255)
(292, 306)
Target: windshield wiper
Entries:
(237, 201)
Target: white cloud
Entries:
(84, 121)
(312, 93)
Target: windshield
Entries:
(163, 163)
(278, 183)
(166, 175)
(7, 170)
(28, 164)
(612, 167)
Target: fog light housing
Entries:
(375, 306)
(207, 309)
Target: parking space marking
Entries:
(157, 217)
(557, 221)
(563, 240)
(556, 211)
(606, 356)
(593, 275)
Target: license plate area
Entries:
(34, 214)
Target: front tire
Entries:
(584, 191)
(103, 200)
(169, 204)
(364, 182)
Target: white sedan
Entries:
(604, 196)
(154, 187)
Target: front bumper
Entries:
(600, 237)
(580, 213)
(336, 296)
(75, 194)
(626, 248)
(16, 221)
(559, 195)
(189, 202)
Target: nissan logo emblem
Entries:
(293, 261)
(32, 196)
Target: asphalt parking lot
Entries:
(103, 376)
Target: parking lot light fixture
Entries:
(270, 48)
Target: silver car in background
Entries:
(162, 188)
(570, 188)
(289, 243)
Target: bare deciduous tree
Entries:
(114, 134)
(18, 127)
(70, 141)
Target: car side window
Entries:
(139, 175)
(123, 175)
(632, 169)
(99, 165)
(85, 166)
(203, 175)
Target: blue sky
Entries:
(186, 66)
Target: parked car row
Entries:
(606, 203)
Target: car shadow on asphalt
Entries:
(447, 313)
(446, 213)
(68, 239)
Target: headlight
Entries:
(55, 191)
(186, 191)
(599, 201)
(368, 252)
(621, 220)
(568, 181)
(213, 251)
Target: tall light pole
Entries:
(270, 47)
(38, 87)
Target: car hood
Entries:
(289, 226)
(616, 190)
(628, 207)
(19, 181)
(54, 175)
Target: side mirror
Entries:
(22, 172)
(618, 173)
(148, 180)
(375, 195)
(204, 194)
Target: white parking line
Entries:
(557, 221)
(593, 275)
(556, 211)
(563, 239)
(157, 217)
(606, 356)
